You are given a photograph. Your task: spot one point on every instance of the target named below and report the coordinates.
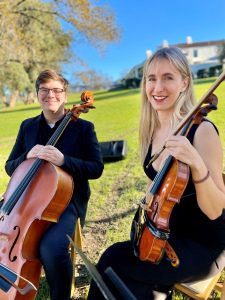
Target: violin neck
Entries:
(201, 101)
(160, 175)
(156, 183)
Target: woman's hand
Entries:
(181, 149)
(205, 155)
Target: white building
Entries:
(203, 58)
(201, 55)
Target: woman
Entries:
(197, 224)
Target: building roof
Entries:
(200, 44)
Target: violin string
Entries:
(160, 175)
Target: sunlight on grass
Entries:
(117, 193)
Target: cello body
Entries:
(36, 196)
(21, 230)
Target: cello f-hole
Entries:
(13, 258)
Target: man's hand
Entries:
(48, 153)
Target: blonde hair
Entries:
(149, 121)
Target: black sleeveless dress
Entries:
(198, 242)
(187, 219)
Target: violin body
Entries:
(21, 230)
(151, 248)
(152, 244)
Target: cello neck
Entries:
(9, 205)
(87, 99)
(62, 126)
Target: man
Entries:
(78, 153)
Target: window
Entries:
(195, 53)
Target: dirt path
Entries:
(95, 231)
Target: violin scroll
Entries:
(211, 104)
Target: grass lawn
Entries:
(117, 193)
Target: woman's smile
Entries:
(159, 98)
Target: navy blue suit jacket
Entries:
(78, 143)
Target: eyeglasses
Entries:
(45, 91)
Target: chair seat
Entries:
(201, 286)
(200, 290)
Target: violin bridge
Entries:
(146, 203)
(145, 207)
(149, 198)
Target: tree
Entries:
(92, 80)
(33, 34)
(27, 46)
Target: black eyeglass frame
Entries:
(56, 91)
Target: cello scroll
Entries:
(83, 107)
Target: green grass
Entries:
(117, 193)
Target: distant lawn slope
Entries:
(117, 193)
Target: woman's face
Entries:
(164, 84)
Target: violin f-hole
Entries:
(155, 210)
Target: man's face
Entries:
(52, 96)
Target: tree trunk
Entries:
(13, 98)
(30, 98)
(3, 100)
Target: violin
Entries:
(32, 201)
(150, 227)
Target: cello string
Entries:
(11, 202)
(56, 135)
(9, 205)
(7, 208)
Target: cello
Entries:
(150, 227)
(32, 201)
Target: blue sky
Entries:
(146, 23)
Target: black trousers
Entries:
(55, 257)
(155, 281)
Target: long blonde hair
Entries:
(149, 121)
